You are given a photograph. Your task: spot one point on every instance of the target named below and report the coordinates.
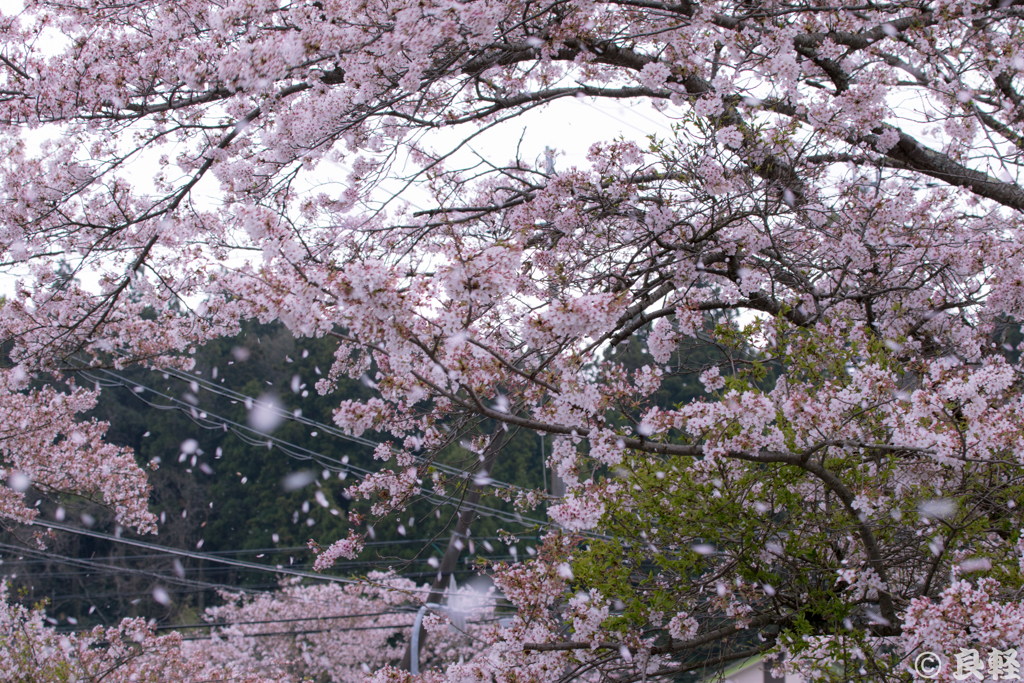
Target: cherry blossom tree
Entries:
(32, 651)
(836, 212)
(338, 633)
(302, 633)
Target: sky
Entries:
(568, 127)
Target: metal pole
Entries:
(455, 545)
(414, 661)
(543, 464)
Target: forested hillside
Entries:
(221, 488)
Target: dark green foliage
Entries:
(232, 496)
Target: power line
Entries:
(95, 598)
(247, 551)
(201, 586)
(290, 448)
(226, 392)
(211, 624)
(113, 569)
(239, 430)
(278, 569)
(101, 567)
(90, 563)
(108, 569)
(329, 429)
(241, 551)
(326, 630)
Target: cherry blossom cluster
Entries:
(127, 653)
(45, 447)
(332, 631)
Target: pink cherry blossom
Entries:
(820, 210)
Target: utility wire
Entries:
(283, 549)
(302, 454)
(277, 569)
(200, 586)
(107, 568)
(215, 388)
(324, 630)
(102, 562)
(226, 392)
(217, 624)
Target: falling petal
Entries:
(161, 596)
(877, 618)
(976, 564)
(297, 480)
(937, 508)
(265, 415)
(19, 481)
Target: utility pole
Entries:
(543, 464)
(557, 484)
(458, 541)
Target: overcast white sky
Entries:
(568, 126)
